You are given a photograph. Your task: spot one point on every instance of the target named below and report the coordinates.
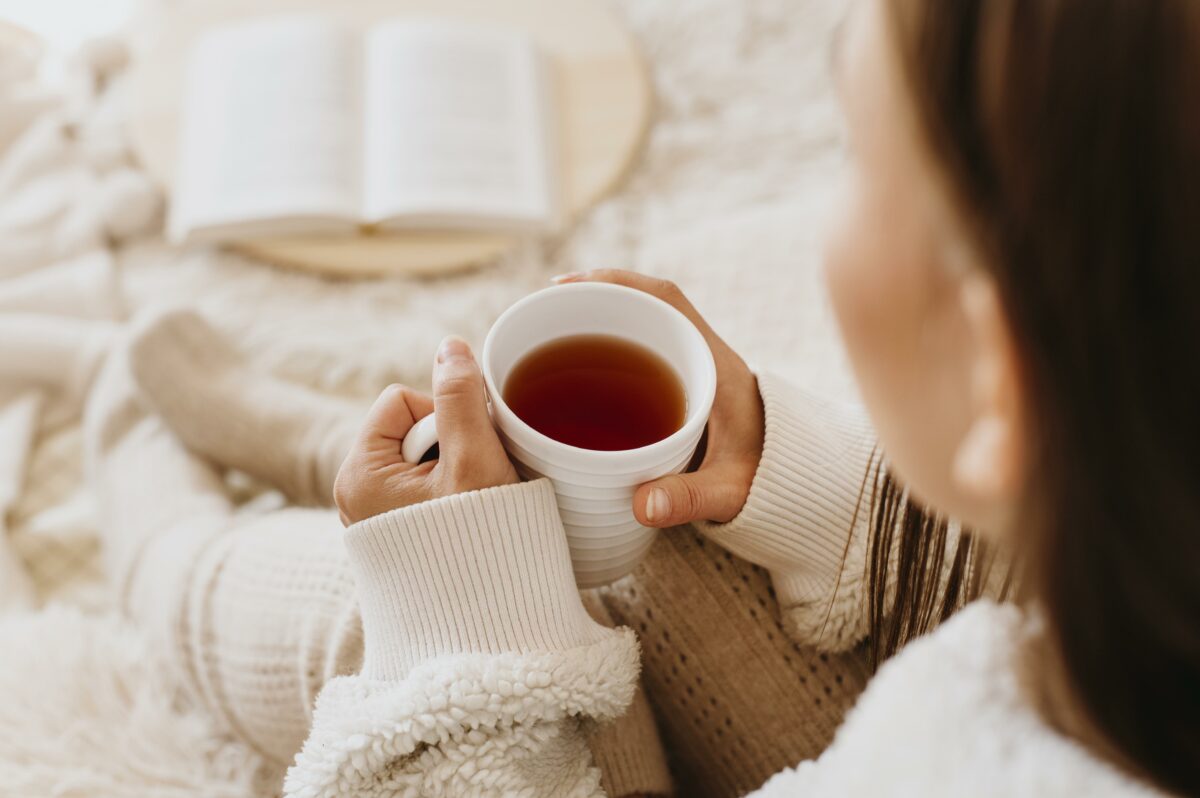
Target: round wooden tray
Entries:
(603, 98)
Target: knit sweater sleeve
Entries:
(806, 519)
(481, 668)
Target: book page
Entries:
(270, 131)
(456, 128)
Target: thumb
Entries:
(464, 427)
(710, 494)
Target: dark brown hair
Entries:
(1069, 135)
(918, 572)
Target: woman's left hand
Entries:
(374, 477)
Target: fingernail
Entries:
(566, 278)
(453, 348)
(658, 505)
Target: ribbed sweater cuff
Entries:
(634, 772)
(480, 572)
(797, 519)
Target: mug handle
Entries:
(421, 437)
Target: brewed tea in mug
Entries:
(597, 392)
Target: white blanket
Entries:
(726, 200)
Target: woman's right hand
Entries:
(375, 477)
(717, 490)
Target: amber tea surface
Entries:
(597, 392)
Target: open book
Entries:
(304, 125)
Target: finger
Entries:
(665, 290)
(714, 493)
(464, 427)
(393, 414)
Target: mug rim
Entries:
(698, 411)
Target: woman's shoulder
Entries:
(948, 716)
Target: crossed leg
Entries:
(256, 612)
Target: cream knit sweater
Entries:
(482, 669)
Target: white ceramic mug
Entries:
(594, 488)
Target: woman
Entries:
(1015, 278)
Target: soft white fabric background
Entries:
(726, 200)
